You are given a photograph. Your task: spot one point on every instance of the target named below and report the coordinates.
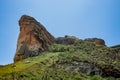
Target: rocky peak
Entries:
(33, 38)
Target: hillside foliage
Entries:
(79, 61)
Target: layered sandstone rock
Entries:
(96, 41)
(33, 38)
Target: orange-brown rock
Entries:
(33, 38)
(96, 41)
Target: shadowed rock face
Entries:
(33, 38)
(96, 41)
(67, 40)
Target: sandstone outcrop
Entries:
(96, 41)
(33, 38)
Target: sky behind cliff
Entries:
(80, 18)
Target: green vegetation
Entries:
(66, 62)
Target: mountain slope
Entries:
(82, 60)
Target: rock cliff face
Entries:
(33, 38)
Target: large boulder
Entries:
(66, 40)
(33, 38)
(97, 41)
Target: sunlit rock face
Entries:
(33, 38)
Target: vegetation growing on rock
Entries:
(81, 60)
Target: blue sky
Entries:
(80, 18)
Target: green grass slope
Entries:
(80, 61)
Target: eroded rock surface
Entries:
(33, 38)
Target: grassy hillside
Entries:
(80, 61)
